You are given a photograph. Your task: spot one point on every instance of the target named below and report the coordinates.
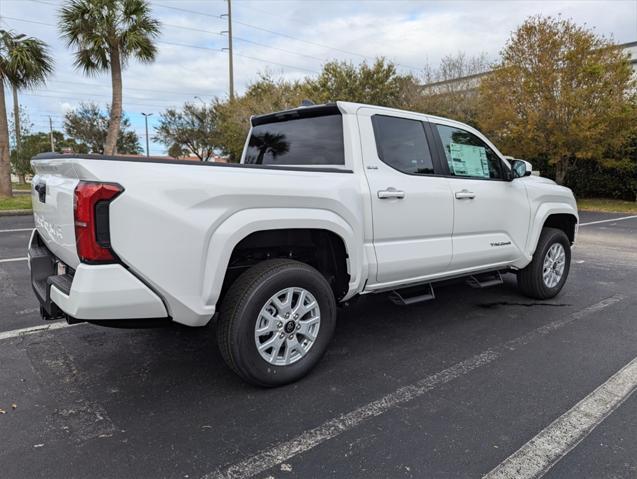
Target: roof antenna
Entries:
(307, 102)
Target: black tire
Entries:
(530, 279)
(240, 311)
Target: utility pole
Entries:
(16, 121)
(146, 115)
(229, 32)
(51, 134)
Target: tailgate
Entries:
(52, 194)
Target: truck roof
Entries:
(345, 107)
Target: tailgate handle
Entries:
(41, 190)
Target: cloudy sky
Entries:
(290, 38)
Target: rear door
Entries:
(412, 207)
(491, 213)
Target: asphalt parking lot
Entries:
(476, 382)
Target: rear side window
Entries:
(469, 156)
(317, 140)
(402, 144)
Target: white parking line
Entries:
(608, 221)
(537, 456)
(309, 439)
(17, 230)
(11, 260)
(16, 333)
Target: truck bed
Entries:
(169, 225)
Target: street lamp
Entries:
(146, 115)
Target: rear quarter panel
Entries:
(168, 226)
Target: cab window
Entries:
(402, 144)
(469, 156)
(311, 140)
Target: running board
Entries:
(412, 295)
(485, 280)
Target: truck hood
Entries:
(539, 179)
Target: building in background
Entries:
(472, 82)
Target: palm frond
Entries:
(95, 28)
(24, 61)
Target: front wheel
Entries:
(545, 276)
(276, 322)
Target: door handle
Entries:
(465, 195)
(391, 193)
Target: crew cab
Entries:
(329, 202)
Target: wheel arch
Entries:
(554, 215)
(562, 221)
(277, 228)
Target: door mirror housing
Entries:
(520, 168)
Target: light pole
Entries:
(146, 115)
(51, 133)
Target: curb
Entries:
(617, 212)
(15, 212)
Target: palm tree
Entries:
(273, 143)
(24, 63)
(106, 34)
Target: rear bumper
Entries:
(93, 292)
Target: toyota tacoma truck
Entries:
(329, 202)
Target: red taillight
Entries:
(92, 235)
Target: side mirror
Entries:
(520, 168)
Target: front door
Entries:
(412, 208)
(491, 213)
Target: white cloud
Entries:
(66, 106)
(410, 33)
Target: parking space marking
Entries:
(16, 333)
(17, 230)
(608, 221)
(332, 428)
(11, 260)
(541, 453)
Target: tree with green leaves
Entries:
(19, 127)
(378, 83)
(263, 96)
(107, 34)
(192, 129)
(40, 142)
(561, 92)
(24, 63)
(176, 151)
(89, 125)
(375, 84)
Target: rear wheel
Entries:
(276, 322)
(545, 276)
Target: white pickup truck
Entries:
(328, 202)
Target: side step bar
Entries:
(412, 295)
(485, 280)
